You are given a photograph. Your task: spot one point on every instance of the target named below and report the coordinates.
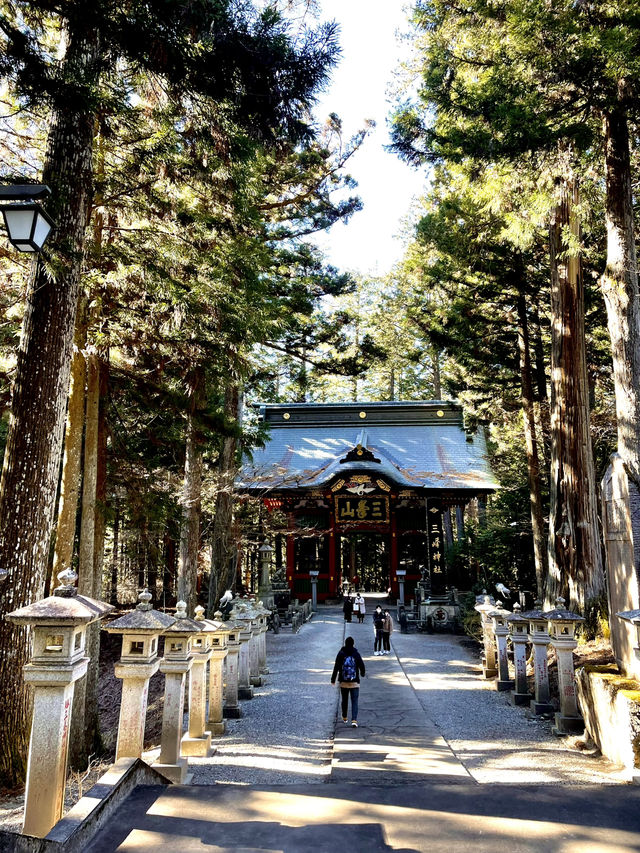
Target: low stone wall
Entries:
(610, 705)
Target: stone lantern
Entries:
(216, 634)
(197, 740)
(401, 575)
(499, 618)
(518, 631)
(232, 709)
(265, 590)
(259, 628)
(140, 630)
(539, 637)
(633, 617)
(219, 634)
(59, 625)
(262, 644)
(562, 632)
(484, 607)
(176, 663)
(313, 577)
(242, 618)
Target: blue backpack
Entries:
(349, 668)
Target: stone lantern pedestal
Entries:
(140, 630)
(562, 625)
(59, 632)
(519, 627)
(175, 665)
(489, 663)
(499, 618)
(539, 637)
(232, 709)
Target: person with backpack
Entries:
(348, 667)
(378, 627)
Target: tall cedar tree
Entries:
(212, 48)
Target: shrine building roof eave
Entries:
(419, 445)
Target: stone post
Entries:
(197, 740)
(539, 637)
(518, 626)
(313, 575)
(232, 707)
(499, 618)
(562, 624)
(140, 630)
(401, 574)
(59, 625)
(175, 665)
(484, 606)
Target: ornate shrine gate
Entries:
(367, 489)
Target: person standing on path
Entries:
(387, 628)
(348, 667)
(378, 623)
(347, 608)
(360, 607)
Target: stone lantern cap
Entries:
(208, 626)
(64, 607)
(534, 615)
(484, 603)
(182, 624)
(143, 620)
(560, 614)
(632, 616)
(499, 612)
(517, 617)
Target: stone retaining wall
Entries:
(610, 705)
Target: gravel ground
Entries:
(495, 741)
(286, 733)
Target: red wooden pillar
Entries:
(333, 541)
(291, 553)
(394, 554)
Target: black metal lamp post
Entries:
(27, 224)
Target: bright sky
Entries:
(371, 52)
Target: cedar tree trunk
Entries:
(575, 556)
(34, 442)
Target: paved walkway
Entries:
(408, 779)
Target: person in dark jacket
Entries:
(347, 608)
(378, 627)
(348, 668)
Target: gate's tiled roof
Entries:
(417, 444)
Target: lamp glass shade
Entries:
(28, 226)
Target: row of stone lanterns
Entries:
(541, 629)
(191, 646)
